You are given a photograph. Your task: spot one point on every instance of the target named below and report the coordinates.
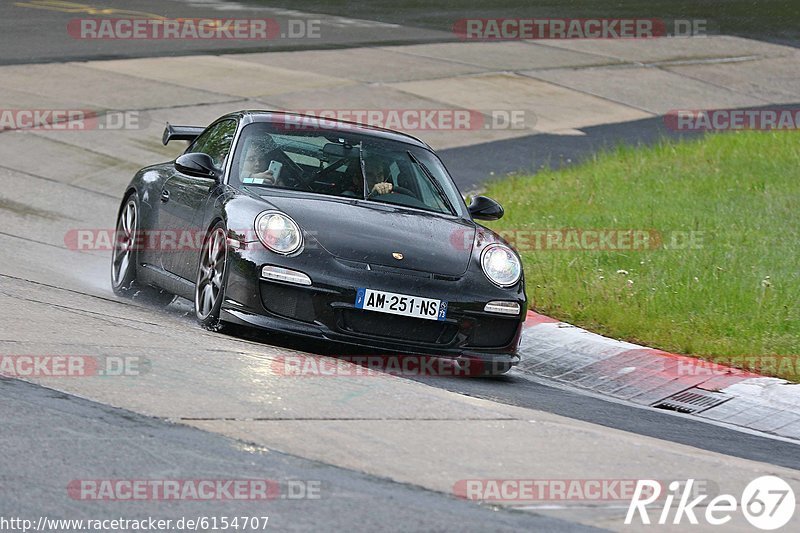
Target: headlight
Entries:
(501, 265)
(278, 232)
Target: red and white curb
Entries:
(576, 357)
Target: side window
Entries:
(216, 141)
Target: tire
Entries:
(212, 276)
(124, 259)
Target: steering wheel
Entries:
(403, 190)
(395, 190)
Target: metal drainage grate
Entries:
(692, 401)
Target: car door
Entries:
(184, 198)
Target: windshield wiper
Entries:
(362, 165)
(433, 181)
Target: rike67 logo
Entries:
(767, 502)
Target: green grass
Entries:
(737, 294)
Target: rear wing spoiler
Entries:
(181, 133)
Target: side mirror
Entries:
(198, 165)
(483, 208)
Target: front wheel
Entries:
(211, 278)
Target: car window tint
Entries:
(216, 141)
(330, 162)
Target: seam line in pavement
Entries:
(236, 51)
(551, 46)
(65, 289)
(612, 56)
(201, 332)
(529, 74)
(714, 84)
(76, 146)
(348, 419)
(711, 61)
(28, 239)
(103, 317)
(657, 66)
(88, 65)
(53, 180)
(489, 70)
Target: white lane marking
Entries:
(329, 20)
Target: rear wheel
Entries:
(211, 278)
(124, 257)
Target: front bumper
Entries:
(326, 309)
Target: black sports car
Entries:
(333, 230)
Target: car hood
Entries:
(372, 232)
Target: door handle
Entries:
(165, 196)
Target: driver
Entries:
(377, 177)
(254, 166)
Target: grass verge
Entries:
(718, 274)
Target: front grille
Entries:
(395, 271)
(398, 327)
(494, 332)
(287, 301)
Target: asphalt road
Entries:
(519, 389)
(470, 165)
(386, 451)
(36, 31)
(770, 20)
(524, 391)
(50, 439)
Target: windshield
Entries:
(345, 164)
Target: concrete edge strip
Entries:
(646, 376)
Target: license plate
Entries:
(401, 304)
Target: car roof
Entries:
(276, 117)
